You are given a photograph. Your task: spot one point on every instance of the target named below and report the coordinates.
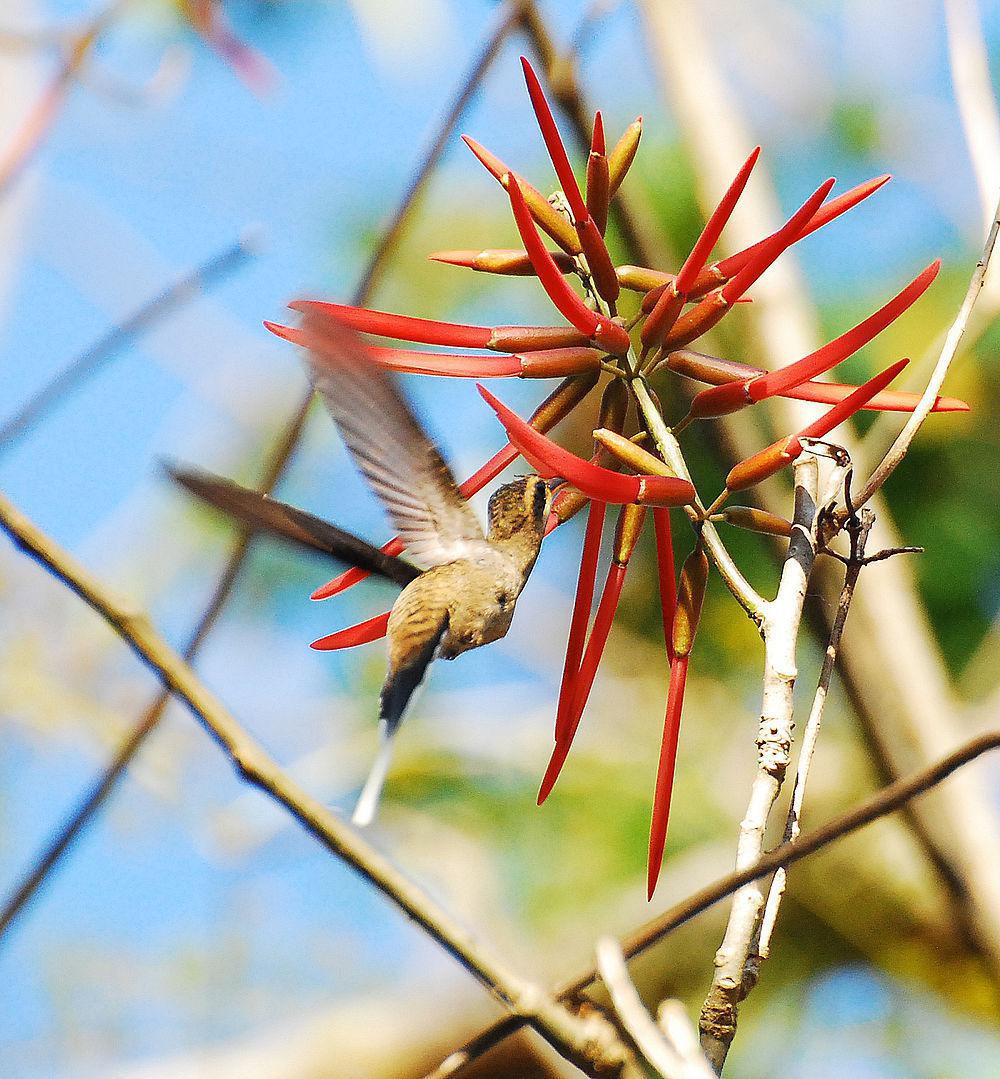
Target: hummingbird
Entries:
(464, 593)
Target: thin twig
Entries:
(810, 734)
(658, 1050)
(897, 451)
(29, 138)
(888, 800)
(275, 464)
(124, 334)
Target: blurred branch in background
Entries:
(26, 143)
(274, 468)
(124, 335)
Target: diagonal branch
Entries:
(589, 1042)
(888, 800)
(274, 467)
(123, 334)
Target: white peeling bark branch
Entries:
(780, 627)
(670, 1049)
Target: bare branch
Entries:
(810, 735)
(733, 976)
(888, 800)
(124, 334)
(587, 1041)
(658, 1049)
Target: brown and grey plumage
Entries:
(466, 596)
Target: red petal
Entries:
(402, 327)
(776, 382)
(597, 143)
(554, 143)
(695, 262)
(362, 633)
(852, 403)
(774, 245)
(553, 460)
(588, 670)
(665, 772)
(823, 216)
(455, 365)
(581, 616)
(558, 290)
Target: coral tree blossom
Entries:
(594, 349)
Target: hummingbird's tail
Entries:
(371, 792)
(397, 693)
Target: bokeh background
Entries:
(194, 930)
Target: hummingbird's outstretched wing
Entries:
(401, 464)
(264, 514)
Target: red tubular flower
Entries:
(710, 234)
(823, 359)
(769, 251)
(630, 520)
(713, 369)
(607, 334)
(666, 767)
(362, 633)
(581, 616)
(598, 178)
(691, 597)
(773, 458)
(543, 363)
(591, 240)
(552, 460)
(554, 144)
(826, 213)
(732, 396)
(402, 327)
(701, 318)
(548, 217)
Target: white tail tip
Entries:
(371, 792)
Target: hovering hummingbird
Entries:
(465, 596)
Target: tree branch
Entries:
(888, 800)
(589, 1042)
(810, 735)
(780, 628)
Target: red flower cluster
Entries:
(674, 310)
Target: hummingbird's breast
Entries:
(476, 596)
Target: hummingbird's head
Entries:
(519, 510)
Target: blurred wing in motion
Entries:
(264, 514)
(402, 466)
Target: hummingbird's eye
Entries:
(540, 497)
